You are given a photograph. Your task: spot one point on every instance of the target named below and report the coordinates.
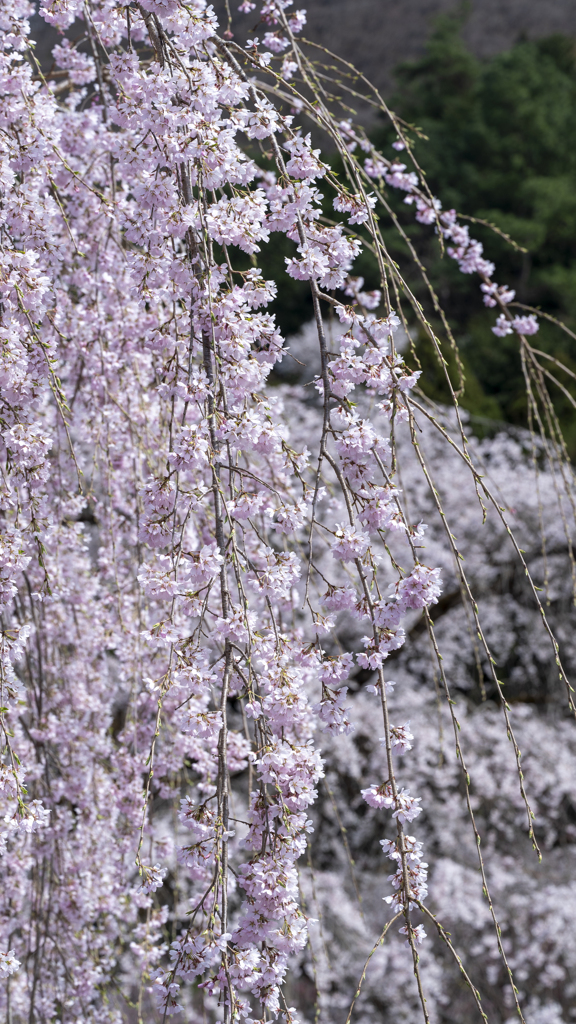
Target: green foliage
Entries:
(500, 146)
(293, 305)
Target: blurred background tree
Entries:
(500, 147)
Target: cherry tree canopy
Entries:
(210, 781)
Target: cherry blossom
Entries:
(201, 566)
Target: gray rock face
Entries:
(376, 35)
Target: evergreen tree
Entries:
(499, 146)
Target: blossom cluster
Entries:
(467, 251)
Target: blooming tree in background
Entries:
(206, 573)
